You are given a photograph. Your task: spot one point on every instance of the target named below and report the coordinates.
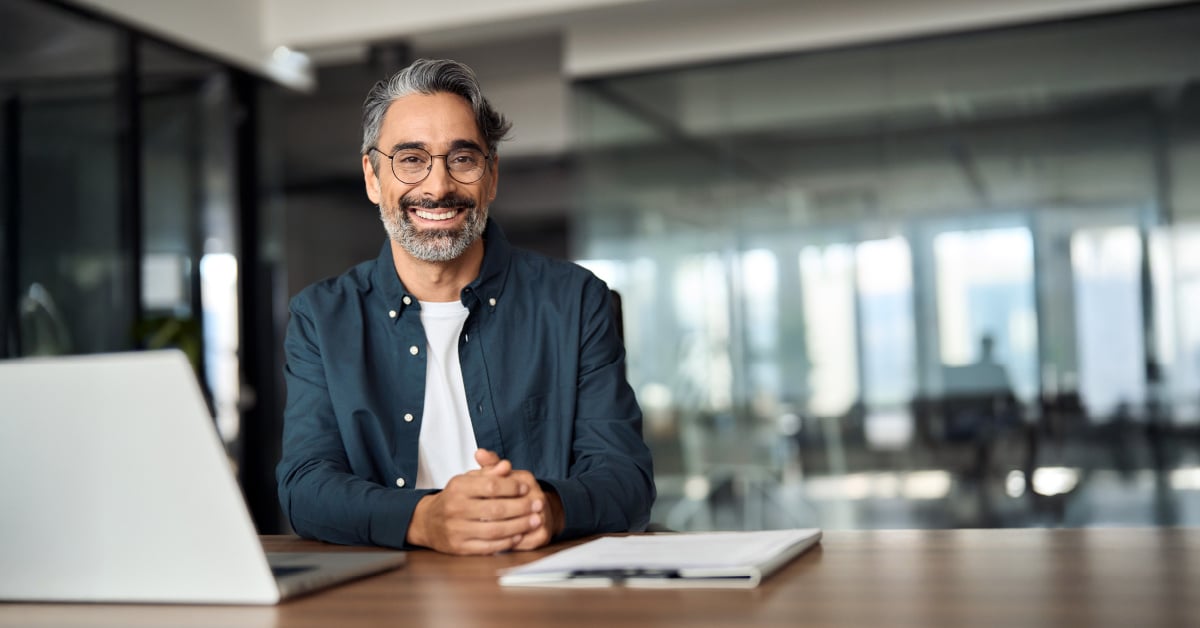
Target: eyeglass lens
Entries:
(412, 165)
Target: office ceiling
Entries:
(600, 37)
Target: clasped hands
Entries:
(491, 509)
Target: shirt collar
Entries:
(486, 289)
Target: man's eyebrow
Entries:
(457, 144)
(408, 145)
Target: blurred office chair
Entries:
(977, 407)
(43, 330)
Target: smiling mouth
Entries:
(436, 214)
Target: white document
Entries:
(706, 559)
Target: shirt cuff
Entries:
(578, 515)
(388, 521)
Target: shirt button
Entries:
(407, 300)
(408, 418)
(492, 301)
(414, 350)
(391, 313)
(400, 482)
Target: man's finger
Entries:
(500, 469)
(486, 457)
(532, 541)
(507, 529)
(492, 510)
(484, 485)
(480, 547)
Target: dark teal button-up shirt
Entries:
(543, 368)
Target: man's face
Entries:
(438, 219)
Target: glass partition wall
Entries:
(939, 282)
(123, 198)
(120, 176)
(73, 287)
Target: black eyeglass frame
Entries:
(487, 158)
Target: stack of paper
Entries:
(708, 559)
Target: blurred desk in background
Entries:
(927, 578)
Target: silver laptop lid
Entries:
(116, 487)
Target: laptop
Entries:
(114, 487)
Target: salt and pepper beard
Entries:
(434, 245)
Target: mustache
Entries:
(449, 201)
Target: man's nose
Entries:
(439, 181)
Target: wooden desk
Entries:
(962, 578)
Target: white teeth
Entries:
(429, 215)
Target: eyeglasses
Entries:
(413, 165)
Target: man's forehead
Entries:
(440, 113)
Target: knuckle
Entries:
(451, 508)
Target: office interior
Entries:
(899, 265)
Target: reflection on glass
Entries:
(74, 274)
(189, 212)
(43, 327)
(1107, 268)
(637, 284)
(219, 293)
(702, 314)
(985, 303)
(760, 302)
(1175, 263)
(885, 307)
(955, 351)
(827, 283)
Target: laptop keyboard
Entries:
(281, 572)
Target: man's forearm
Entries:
(599, 501)
(341, 508)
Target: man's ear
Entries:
(371, 180)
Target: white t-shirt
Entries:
(446, 447)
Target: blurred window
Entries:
(1107, 265)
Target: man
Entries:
(455, 393)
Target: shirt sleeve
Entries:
(320, 495)
(610, 483)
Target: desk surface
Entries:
(926, 578)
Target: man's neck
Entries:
(438, 281)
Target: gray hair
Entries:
(431, 76)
